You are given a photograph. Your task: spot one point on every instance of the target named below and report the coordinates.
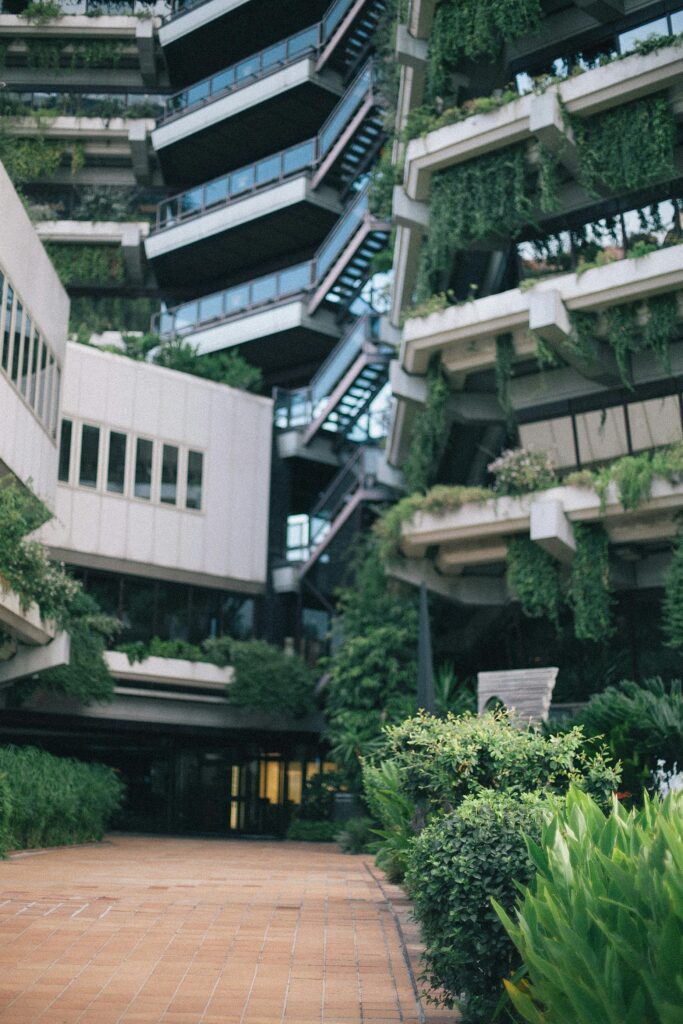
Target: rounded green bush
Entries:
(456, 864)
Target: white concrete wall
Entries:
(26, 445)
(224, 544)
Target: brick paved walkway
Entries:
(198, 932)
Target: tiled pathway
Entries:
(140, 930)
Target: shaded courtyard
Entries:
(190, 931)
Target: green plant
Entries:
(522, 471)
(395, 812)
(266, 678)
(641, 724)
(535, 578)
(475, 29)
(41, 12)
(503, 369)
(385, 174)
(430, 434)
(661, 328)
(432, 304)
(672, 606)
(86, 264)
(588, 592)
(313, 831)
(627, 147)
(599, 927)
(227, 367)
(455, 866)
(56, 800)
(454, 694)
(437, 501)
(441, 761)
(356, 835)
(5, 814)
(623, 335)
(317, 798)
(157, 648)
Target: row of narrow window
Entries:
(26, 359)
(138, 467)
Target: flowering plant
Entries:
(521, 471)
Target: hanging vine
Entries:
(672, 605)
(624, 338)
(628, 147)
(475, 29)
(505, 357)
(661, 328)
(534, 576)
(86, 264)
(588, 591)
(430, 434)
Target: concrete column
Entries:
(139, 153)
(547, 123)
(549, 319)
(409, 213)
(144, 37)
(410, 52)
(132, 249)
(30, 660)
(551, 530)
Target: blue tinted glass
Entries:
(166, 322)
(273, 55)
(677, 23)
(223, 80)
(247, 69)
(242, 180)
(197, 93)
(295, 279)
(191, 201)
(264, 289)
(185, 316)
(237, 298)
(210, 307)
(295, 159)
(627, 40)
(267, 170)
(303, 41)
(216, 192)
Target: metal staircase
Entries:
(348, 29)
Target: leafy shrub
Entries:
(5, 813)
(522, 471)
(266, 678)
(430, 434)
(441, 761)
(56, 800)
(158, 648)
(599, 928)
(356, 835)
(395, 812)
(455, 866)
(317, 798)
(313, 831)
(641, 724)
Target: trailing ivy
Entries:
(86, 264)
(534, 576)
(60, 55)
(632, 475)
(475, 29)
(628, 147)
(624, 339)
(672, 606)
(505, 357)
(588, 591)
(430, 434)
(661, 328)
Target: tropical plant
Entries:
(395, 812)
(356, 835)
(641, 723)
(599, 927)
(588, 592)
(437, 501)
(56, 800)
(268, 679)
(430, 433)
(672, 606)
(41, 12)
(535, 578)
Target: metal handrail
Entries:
(243, 73)
(269, 170)
(220, 306)
(236, 184)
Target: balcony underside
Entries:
(282, 340)
(205, 263)
(218, 33)
(238, 139)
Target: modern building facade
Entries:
(550, 307)
(198, 172)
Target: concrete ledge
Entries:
(173, 671)
(85, 232)
(28, 661)
(25, 626)
(106, 26)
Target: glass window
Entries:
(116, 464)
(26, 356)
(195, 467)
(90, 455)
(55, 401)
(65, 451)
(49, 389)
(242, 180)
(6, 334)
(143, 469)
(677, 23)
(16, 354)
(627, 40)
(169, 475)
(33, 382)
(216, 192)
(42, 389)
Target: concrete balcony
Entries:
(269, 315)
(532, 119)
(128, 235)
(259, 105)
(201, 37)
(168, 674)
(447, 550)
(137, 64)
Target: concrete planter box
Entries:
(172, 671)
(25, 626)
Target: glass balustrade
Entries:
(334, 15)
(343, 112)
(231, 186)
(191, 316)
(341, 235)
(244, 72)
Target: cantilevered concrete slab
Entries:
(245, 233)
(245, 123)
